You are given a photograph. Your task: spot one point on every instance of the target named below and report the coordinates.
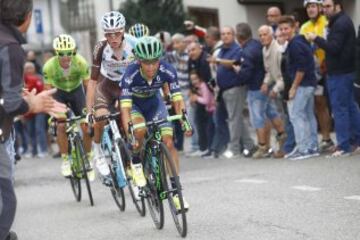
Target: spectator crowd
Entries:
(294, 79)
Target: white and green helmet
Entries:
(148, 48)
(139, 30)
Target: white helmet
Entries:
(113, 22)
(306, 2)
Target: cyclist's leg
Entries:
(77, 103)
(136, 163)
(102, 101)
(106, 93)
(62, 96)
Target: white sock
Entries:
(97, 148)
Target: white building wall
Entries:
(230, 12)
(49, 31)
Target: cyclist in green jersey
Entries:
(69, 73)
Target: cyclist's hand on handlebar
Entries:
(185, 126)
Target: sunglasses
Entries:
(113, 35)
(67, 54)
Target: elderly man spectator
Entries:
(251, 73)
(273, 82)
(300, 71)
(233, 93)
(198, 61)
(340, 61)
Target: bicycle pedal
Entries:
(179, 211)
(142, 193)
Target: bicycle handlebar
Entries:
(183, 117)
(108, 116)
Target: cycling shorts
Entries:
(74, 99)
(107, 92)
(152, 108)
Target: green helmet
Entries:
(148, 48)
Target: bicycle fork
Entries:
(119, 167)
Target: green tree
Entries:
(158, 15)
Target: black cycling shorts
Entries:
(74, 99)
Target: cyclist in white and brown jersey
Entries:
(111, 56)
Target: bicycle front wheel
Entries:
(116, 191)
(154, 202)
(138, 201)
(178, 214)
(84, 161)
(76, 187)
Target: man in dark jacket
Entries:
(340, 60)
(15, 17)
(300, 82)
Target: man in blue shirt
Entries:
(233, 93)
(300, 84)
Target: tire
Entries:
(155, 204)
(82, 157)
(179, 217)
(76, 187)
(126, 157)
(116, 192)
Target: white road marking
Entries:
(354, 197)
(254, 181)
(306, 188)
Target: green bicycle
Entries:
(156, 160)
(79, 162)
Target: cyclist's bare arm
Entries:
(86, 83)
(125, 118)
(90, 95)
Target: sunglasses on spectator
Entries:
(67, 54)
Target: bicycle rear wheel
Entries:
(76, 187)
(179, 216)
(155, 204)
(139, 204)
(82, 157)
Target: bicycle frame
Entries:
(73, 132)
(111, 139)
(151, 151)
